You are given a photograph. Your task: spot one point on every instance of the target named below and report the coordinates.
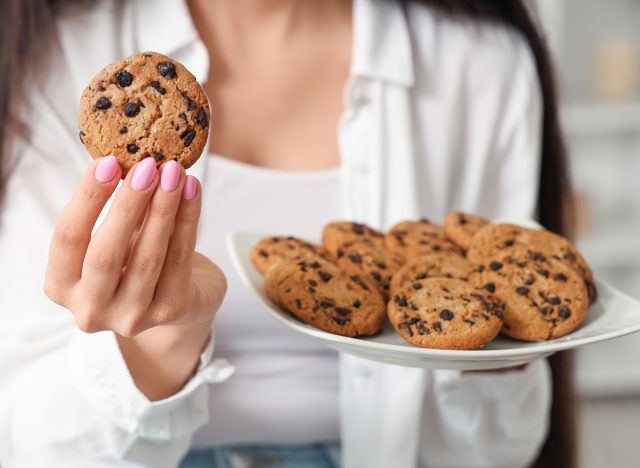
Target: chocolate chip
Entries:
(81, 134)
(462, 219)
(355, 258)
(324, 276)
(545, 310)
(123, 130)
(495, 266)
(407, 328)
(564, 313)
(358, 228)
(436, 248)
(313, 282)
(187, 136)
(554, 300)
(523, 291)
(312, 290)
(315, 265)
(401, 301)
(509, 243)
(360, 283)
(569, 256)
(420, 276)
(183, 116)
(101, 87)
(376, 276)
(543, 272)
(124, 78)
(340, 253)
(167, 69)
(489, 287)
(479, 268)
(446, 314)
(498, 313)
(133, 149)
(529, 280)
(381, 265)
(538, 256)
(201, 117)
(187, 101)
(416, 286)
(156, 85)
(341, 320)
(158, 156)
(298, 303)
(437, 326)
(131, 109)
(343, 310)
(357, 303)
(263, 253)
(470, 322)
(326, 304)
(422, 330)
(414, 320)
(560, 277)
(103, 103)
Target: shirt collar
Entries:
(382, 44)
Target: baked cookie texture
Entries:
(145, 105)
(543, 298)
(340, 234)
(461, 227)
(321, 294)
(277, 248)
(499, 240)
(412, 239)
(443, 264)
(375, 262)
(445, 313)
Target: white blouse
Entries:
(285, 388)
(439, 115)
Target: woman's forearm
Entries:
(162, 360)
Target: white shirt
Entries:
(439, 115)
(285, 387)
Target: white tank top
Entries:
(285, 389)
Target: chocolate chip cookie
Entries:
(340, 234)
(375, 262)
(461, 227)
(321, 294)
(543, 297)
(272, 249)
(443, 264)
(144, 105)
(445, 313)
(499, 240)
(411, 239)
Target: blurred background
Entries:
(596, 48)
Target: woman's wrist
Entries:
(161, 360)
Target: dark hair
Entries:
(24, 24)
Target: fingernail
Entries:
(190, 188)
(106, 169)
(170, 176)
(144, 174)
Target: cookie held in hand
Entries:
(144, 105)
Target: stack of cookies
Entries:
(450, 287)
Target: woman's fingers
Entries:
(106, 253)
(148, 253)
(73, 231)
(174, 284)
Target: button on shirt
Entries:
(439, 114)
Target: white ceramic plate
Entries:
(614, 314)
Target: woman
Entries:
(447, 105)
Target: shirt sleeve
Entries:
(78, 406)
(496, 419)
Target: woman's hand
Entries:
(139, 270)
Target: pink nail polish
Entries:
(170, 176)
(190, 188)
(144, 173)
(106, 169)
